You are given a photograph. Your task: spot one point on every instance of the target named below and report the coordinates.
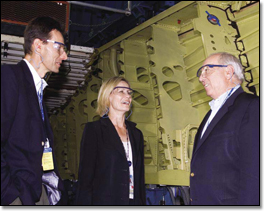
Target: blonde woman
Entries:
(111, 170)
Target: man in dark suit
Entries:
(27, 159)
(225, 161)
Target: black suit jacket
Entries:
(103, 170)
(22, 133)
(225, 161)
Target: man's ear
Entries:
(229, 72)
(37, 45)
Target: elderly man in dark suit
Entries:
(225, 161)
(27, 159)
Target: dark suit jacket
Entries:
(104, 171)
(225, 161)
(22, 133)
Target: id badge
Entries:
(47, 160)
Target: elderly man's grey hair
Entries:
(229, 59)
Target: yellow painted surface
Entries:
(160, 59)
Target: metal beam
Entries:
(126, 12)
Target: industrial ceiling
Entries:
(88, 23)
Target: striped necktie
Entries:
(40, 97)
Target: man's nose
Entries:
(201, 77)
(64, 56)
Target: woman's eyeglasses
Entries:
(120, 90)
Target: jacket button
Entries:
(192, 174)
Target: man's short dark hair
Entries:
(39, 27)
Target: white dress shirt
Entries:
(216, 104)
(36, 78)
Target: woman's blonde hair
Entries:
(104, 93)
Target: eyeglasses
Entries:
(206, 69)
(61, 47)
(120, 90)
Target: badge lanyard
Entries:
(127, 152)
(128, 149)
(47, 158)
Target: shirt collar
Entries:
(216, 103)
(36, 78)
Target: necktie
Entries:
(40, 97)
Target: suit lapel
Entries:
(34, 102)
(111, 137)
(199, 132)
(133, 141)
(223, 110)
(32, 93)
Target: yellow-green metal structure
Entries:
(160, 59)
